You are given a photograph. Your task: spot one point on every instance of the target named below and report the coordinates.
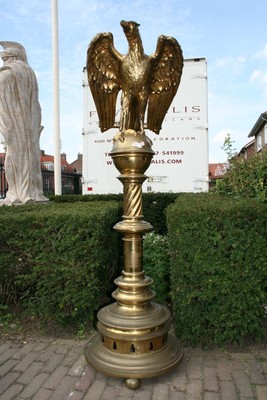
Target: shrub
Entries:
(58, 259)
(74, 198)
(157, 265)
(218, 268)
(246, 178)
(154, 205)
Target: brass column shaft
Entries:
(133, 252)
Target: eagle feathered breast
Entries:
(145, 81)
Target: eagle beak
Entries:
(124, 24)
(129, 25)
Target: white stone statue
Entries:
(20, 125)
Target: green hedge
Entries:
(58, 260)
(154, 205)
(218, 268)
(156, 263)
(74, 198)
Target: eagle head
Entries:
(130, 28)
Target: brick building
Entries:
(259, 132)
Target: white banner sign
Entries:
(180, 163)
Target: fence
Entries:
(71, 182)
(3, 181)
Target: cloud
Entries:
(262, 53)
(256, 74)
(234, 66)
(260, 76)
(220, 136)
(236, 135)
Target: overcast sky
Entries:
(230, 34)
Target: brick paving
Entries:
(56, 369)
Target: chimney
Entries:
(64, 156)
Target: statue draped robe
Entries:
(20, 125)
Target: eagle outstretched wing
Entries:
(103, 67)
(167, 66)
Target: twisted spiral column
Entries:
(132, 198)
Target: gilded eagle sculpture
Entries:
(145, 81)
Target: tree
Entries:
(245, 178)
(228, 147)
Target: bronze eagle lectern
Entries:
(144, 80)
(132, 340)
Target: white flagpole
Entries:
(56, 109)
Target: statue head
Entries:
(14, 50)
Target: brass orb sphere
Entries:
(132, 153)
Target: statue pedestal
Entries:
(133, 340)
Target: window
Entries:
(265, 134)
(49, 166)
(258, 142)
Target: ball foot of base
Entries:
(132, 383)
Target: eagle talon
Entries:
(122, 137)
(128, 132)
(119, 136)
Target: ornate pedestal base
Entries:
(132, 340)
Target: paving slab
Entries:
(55, 369)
